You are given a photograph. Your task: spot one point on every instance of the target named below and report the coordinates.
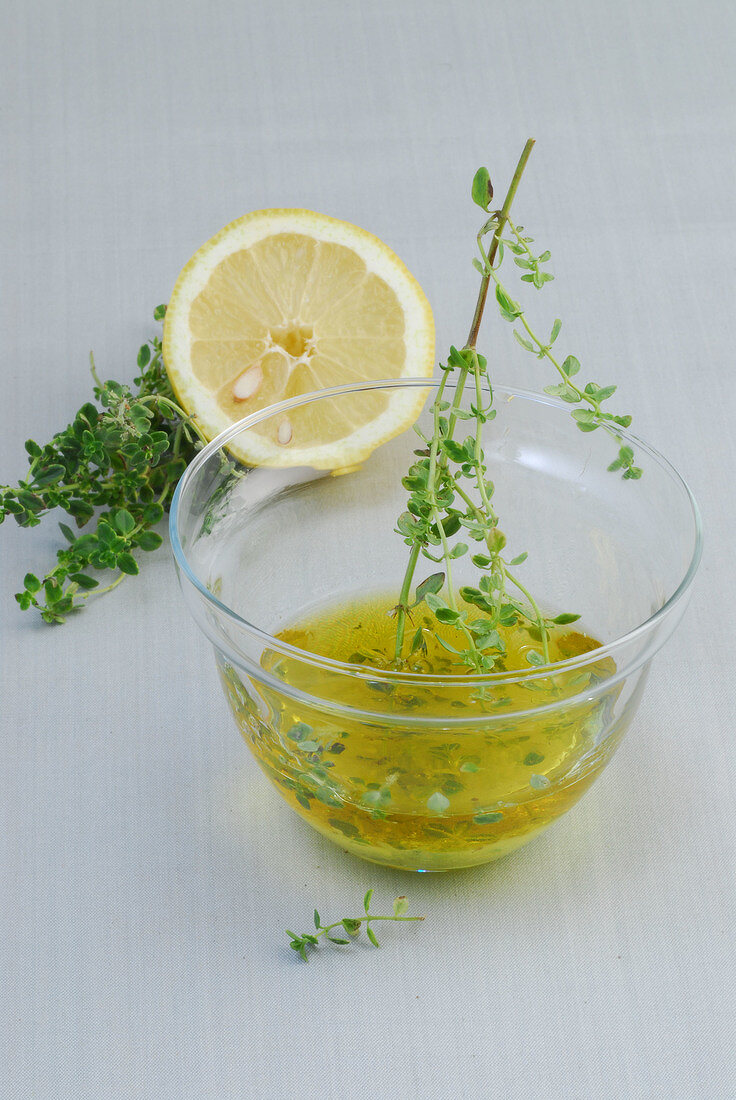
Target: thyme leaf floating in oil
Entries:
(349, 925)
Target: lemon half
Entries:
(283, 302)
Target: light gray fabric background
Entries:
(148, 871)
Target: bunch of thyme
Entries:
(448, 486)
(118, 463)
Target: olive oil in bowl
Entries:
(430, 771)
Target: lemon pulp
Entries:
(284, 302)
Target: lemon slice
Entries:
(283, 302)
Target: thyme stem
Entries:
(502, 217)
(538, 617)
(402, 608)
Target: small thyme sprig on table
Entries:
(119, 461)
(448, 488)
(350, 925)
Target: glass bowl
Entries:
(421, 771)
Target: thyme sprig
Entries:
(592, 394)
(118, 463)
(441, 503)
(349, 925)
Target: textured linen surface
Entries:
(148, 870)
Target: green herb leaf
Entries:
(508, 307)
(401, 905)
(482, 190)
(126, 563)
(152, 514)
(459, 549)
(434, 602)
(524, 342)
(299, 731)
(437, 803)
(124, 522)
(430, 586)
(447, 615)
(83, 580)
(454, 450)
(50, 475)
(149, 540)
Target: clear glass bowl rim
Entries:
(422, 679)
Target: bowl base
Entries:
(432, 862)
